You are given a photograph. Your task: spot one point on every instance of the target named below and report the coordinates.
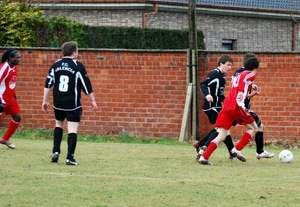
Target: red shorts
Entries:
(12, 107)
(226, 118)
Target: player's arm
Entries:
(204, 85)
(93, 102)
(46, 103)
(254, 91)
(48, 84)
(87, 86)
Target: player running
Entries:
(259, 139)
(8, 102)
(213, 87)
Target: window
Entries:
(228, 44)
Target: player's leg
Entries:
(57, 134)
(246, 138)
(204, 140)
(212, 115)
(72, 142)
(259, 139)
(244, 118)
(14, 110)
(223, 122)
(73, 119)
(213, 146)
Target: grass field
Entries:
(115, 174)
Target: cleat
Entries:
(264, 154)
(71, 162)
(238, 154)
(200, 153)
(233, 158)
(54, 157)
(7, 143)
(204, 161)
(202, 150)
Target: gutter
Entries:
(155, 8)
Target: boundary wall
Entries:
(142, 93)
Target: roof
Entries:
(280, 5)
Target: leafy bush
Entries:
(15, 21)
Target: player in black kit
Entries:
(212, 88)
(68, 77)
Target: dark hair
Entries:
(7, 54)
(69, 47)
(251, 63)
(247, 56)
(224, 58)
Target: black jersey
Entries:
(213, 84)
(69, 77)
(247, 99)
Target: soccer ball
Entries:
(286, 156)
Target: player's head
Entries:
(11, 56)
(225, 58)
(247, 56)
(225, 63)
(70, 48)
(251, 64)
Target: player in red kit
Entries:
(9, 105)
(234, 110)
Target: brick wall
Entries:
(143, 93)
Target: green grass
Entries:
(122, 171)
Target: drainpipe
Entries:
(155, 7)
(294, 36)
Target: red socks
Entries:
(246, 138)
(210, 149)
(11, 130)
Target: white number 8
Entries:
(63, 83)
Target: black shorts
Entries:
(212, 115)
(74, 116)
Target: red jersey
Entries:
(240, 87)
(8, 78)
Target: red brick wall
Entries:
(143, 93)
(139, 93)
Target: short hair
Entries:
(251, 64)
(69, 47)
(224, 58)
(247, 56)
(8, 54)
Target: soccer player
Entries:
(212, 88)
(68, 77)
(260, 152)
(8, 103)
(259, 139)
(234, 111)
